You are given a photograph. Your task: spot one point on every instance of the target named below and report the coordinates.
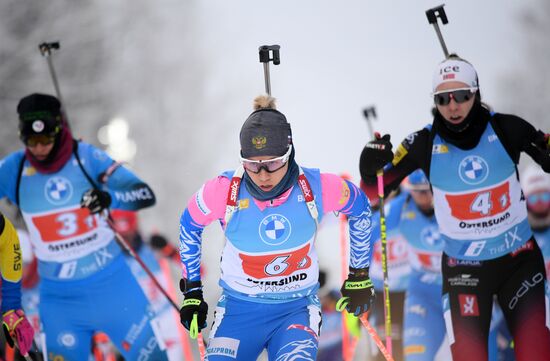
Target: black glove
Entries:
(158, 242)
(95, 200)
(357, 292)
(376, 154)
(193, 304)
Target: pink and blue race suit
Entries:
(269, 266)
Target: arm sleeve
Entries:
(128, 192)
(344, 196)
(518, 136)
(411, 154)
(9, 168)
(190, 246)
(204, 207)
(10, 266)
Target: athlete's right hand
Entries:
(16, 327)
(193, 311)
(376, 154)
(357, 292)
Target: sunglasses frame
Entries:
(263, 163)
(451, 92)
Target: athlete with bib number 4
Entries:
(470, 156)
(269, 209)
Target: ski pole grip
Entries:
(46, 48)
(194, 327)
(437, 12)
(265, 51)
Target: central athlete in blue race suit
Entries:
(269, 265)
(61, 186)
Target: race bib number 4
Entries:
(281, 264)
(480, 204)
(63, 225)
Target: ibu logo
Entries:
(58, 190)
(473, 169)
(274, 229)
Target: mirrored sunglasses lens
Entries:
(251, 166)
(461, 96)
(39, 139)
(442, 99)
(272, 166)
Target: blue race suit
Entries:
(86, 285)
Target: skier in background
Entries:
(61, 187)
(470, 156)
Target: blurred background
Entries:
(165, 85)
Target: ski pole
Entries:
(375, 337)
(46, 50)
(387, 308)
(432, 15)
(265, 52)
(367, 112)
(383, 239)
(344, 266)
(124, 243)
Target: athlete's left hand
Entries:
(357, 292)
(95, 200)
(16, 327)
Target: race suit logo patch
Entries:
(58, 190)
(473, 169)
(468, 305)
(274, 229)
(67, 339)
(431, 237)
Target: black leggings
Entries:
(397, 304)
(518, 279)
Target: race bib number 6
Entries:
(282, 264)
(63, 225)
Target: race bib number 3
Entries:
(480, 204)
(282, 264)
(63, 225)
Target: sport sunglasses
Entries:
(270, 165)
(459, 95)
(34, 140)
(539, 197)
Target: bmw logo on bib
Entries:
(431, 237)
(58, 190)
(274, 229)
(473, 169)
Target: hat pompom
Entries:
(264, 102)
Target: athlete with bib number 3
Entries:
(470, 156)
(269, 209)
(61, 187)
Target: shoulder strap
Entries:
(233, 194)
(18, 182)
(75, 152)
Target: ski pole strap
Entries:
(341, 304)
(194, 327)
(354, 285)
(233, 194)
